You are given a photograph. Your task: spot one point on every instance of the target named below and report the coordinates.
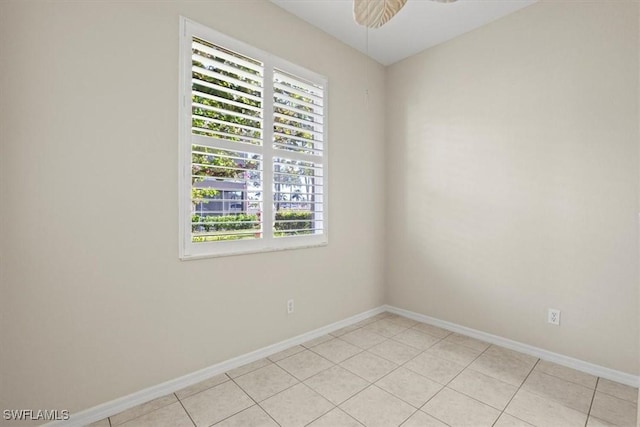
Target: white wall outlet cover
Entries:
(553, 316)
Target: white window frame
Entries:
(188, 249)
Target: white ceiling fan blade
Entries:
(375, 13)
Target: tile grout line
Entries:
(451, 380)
(369, 383)
(616, 397)
(514, 394)
(333, 364)
(439, 339)
(256, 402)
(185, 409)
(593, 397)
(333, 409)
(146, 413)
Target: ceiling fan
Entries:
(376, 13)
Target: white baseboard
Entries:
(570, 362)
(116, 406)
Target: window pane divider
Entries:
(267, 165)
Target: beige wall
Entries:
(95, 303)
(513, 180)
(512, 186)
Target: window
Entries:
(253, 149)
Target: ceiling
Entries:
(418, 26)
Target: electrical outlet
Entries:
(290, 306)
(554, 316)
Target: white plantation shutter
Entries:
(253, 156)
(227, 94)
(298, 138)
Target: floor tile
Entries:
(511, 355)
(367, 321)
(539, 411)
(416, 339)
(507, 420)
(336, 350)
(467, 341)
(101, 423)
(567, 374)
(245, 369)
(380, 316)
(434, 368)
(363, 338)
(216, 404)
(504, 367)
(569, 394)
(618, 390)
(454, 352)
(251, 417)
(314, 342)
(402, 321)
(421, 419)
(385, 327)
(374, 407)
(432, 330)
(286, 353)
(335, 418)
(296, 406)
(143, 409)
(265, 382)
(340, 332)
(456, 409)
(304, 364)
(394, 351)
(484, 388)
(336, 384)
(201, 386)
(172, 415)
(409, 386)
(391, 315)
(369, 366)
(613, 410)
(596, 422)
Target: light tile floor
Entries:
(392, 371)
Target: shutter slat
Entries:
(207, 62)
(299, 83)
(227, 101)
(288, 90)
(292, 150)
(228, 79)
(297, 129)
(281, 99)
(227, 136)
(222, 122)
(317, 127)
(242, 60)
(227, 112)
(225, 89)
(297, 111)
